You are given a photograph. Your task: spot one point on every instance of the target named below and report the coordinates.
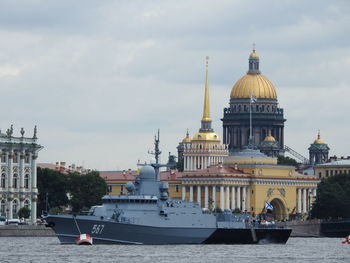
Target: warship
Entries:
(148, 215)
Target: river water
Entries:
(48, 249)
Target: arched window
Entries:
(14, 208)
(27, 204)
(26, 181)
(3, 207)
(3, 180)
(15, 181)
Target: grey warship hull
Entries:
(68, 228)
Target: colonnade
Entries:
(200, 161)
(305, 198)
(229, 197)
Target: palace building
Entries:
(268, 119)
(18, 185)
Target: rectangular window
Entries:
(109, 188)
(177, 188)
(331, 172)
(327, 173)
(3, 158)
(121, 189)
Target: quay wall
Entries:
(307, 228)
(26, 231)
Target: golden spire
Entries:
(206, 109)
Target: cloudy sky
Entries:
(100, 77)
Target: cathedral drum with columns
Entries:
(18, 185)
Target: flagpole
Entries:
(250, 142)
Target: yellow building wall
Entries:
(267, 193)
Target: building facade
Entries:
(333, 167)
(246, 181)
(205, 148)
(18, 185)
(266, 114)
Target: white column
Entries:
(222, 197)
(239, 198)
(206, 197)
(183, 192)
(191, 193)
(214, 196)
(10, 169)
(304, 200)
(185, 163)
(199, 195)
(248, 199)
(314, 192)
(227, 197)
(233, 198)
(244, 198)
(299, 200)
(21, 169)
(33, 211)
(10, 209)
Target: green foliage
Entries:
(333, 198)
(83, 190)
(55, 210)
(55, 184)
(287, 161)
(24, 212)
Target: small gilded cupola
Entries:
(253, 62)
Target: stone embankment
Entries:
(26, 231)
(307, 228)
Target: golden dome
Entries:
(269, 138)
(256, 84)
(253, 54)
(187, 138)
(206, 136)
(319, 140)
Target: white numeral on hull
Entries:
(97, 229)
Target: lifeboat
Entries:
(84, 239)
(346, 240)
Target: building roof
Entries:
(345, 162)
(130, 175)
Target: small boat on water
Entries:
(84, 239)
(346, 240)
(147, 215)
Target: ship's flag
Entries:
(252, 98)
(268, 206)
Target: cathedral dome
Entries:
(319, 140)
(253, 82)
(257, 84)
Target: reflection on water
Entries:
(48, 249)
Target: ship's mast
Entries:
(157, 153)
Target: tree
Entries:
(54, 184)
(86, 190)
(333, 198)
(286, 160)
(24, 212)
